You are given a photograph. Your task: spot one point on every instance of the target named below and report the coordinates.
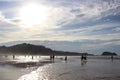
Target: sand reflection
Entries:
(39, 74)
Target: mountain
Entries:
(30, 49)
(108, 53)
(92, 46)
(25, 48)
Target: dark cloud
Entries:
(75, 10)
(80, 15)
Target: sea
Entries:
(21, 67)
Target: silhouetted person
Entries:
(13, 56)
(51, 57)
(112, 57)
(32, 57)
(65, 58)
(85, 57)
(82, 57)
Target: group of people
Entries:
(52, 57)
(83, 57)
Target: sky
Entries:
(78, 25)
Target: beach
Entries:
(95, 68)
(59, 39)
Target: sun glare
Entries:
(33, 14)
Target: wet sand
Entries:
(12, 69)
(72, 69)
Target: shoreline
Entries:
(25, 64)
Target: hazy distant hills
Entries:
(25, 49)
(92, 47)
(108, 53)
(31, 49)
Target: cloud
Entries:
(1, 16)
(100, 31)
(7, 27)
(88, 13)
(117, 28)
(93, 23)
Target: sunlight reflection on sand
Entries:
(35, 75)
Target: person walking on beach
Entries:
(65, 58)
(83, 57)
(32, 57)
(50, 57)
(112, 57)
(13, 56)
(53, 57)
